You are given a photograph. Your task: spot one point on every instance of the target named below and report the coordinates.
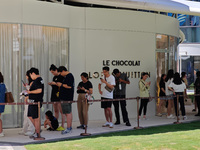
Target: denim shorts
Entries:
(170, 97)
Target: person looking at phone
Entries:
(120, 92)
(28, 127)
(55, 93)
(144, 94)
(84, 87)
(36, 94)
(106, 87)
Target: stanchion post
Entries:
(39, 136)
(86, 116)
(177, 99)
(138, 119)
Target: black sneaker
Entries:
(128, 123)
(80, 127)
(117, 123)
(84, 126)
(197, 115)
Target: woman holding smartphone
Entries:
(84, 87)
(144, 94)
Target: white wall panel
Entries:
(112, 19)
(11, 11)
(165, 24)
(43, 13)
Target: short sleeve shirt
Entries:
(121, 91)
(55, 88)
(65, 93)
(87, 86)
(106, 93)
(197, 85)
(178, 87)
(37, 84)
(162, 85)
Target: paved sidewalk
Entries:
(12, 138)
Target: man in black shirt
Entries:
(36, 94)
(66, 94)
(120, 92)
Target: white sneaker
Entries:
(110, 125)
(2, 134)
(159, 115)
(170, 117)
(28, 133)
(184, 117)
(107, 124)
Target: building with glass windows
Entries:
(189, 50)
(38, 34)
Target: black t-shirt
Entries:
(197, 85)
(162, 85)
(37, 84)
(56, 89)
(65, 93)
(87, 86)
(54, 123)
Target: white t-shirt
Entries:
(111, 81)
(178, 88)
(167, 91)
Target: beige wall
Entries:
(97, 34)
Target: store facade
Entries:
(38, 34)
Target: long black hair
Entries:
(162, 80)
(177, 80)
(170, 75)
(29, 77)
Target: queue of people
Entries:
(111, 86)
(172, 85)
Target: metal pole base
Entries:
(39, 138)
(85, 134)
(138, 128)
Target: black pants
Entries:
(143, 104)
(181, 101)
(197, 99)
(123, 108)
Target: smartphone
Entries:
(23, 82)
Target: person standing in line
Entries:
(162, 93)
(169, 94)
(178, 88)
(2, 100)
(36, 94)
(55, 93)
(84, 87)
(144, 94)
(66, 94)
(106, 90)
(197, 91)
(184, 78)
(28, 127)
(120, 92)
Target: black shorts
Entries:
(106, 104)
(55, 100)
(33, 111)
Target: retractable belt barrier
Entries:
(103, 100)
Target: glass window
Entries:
(162, 41)
(23, 47)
